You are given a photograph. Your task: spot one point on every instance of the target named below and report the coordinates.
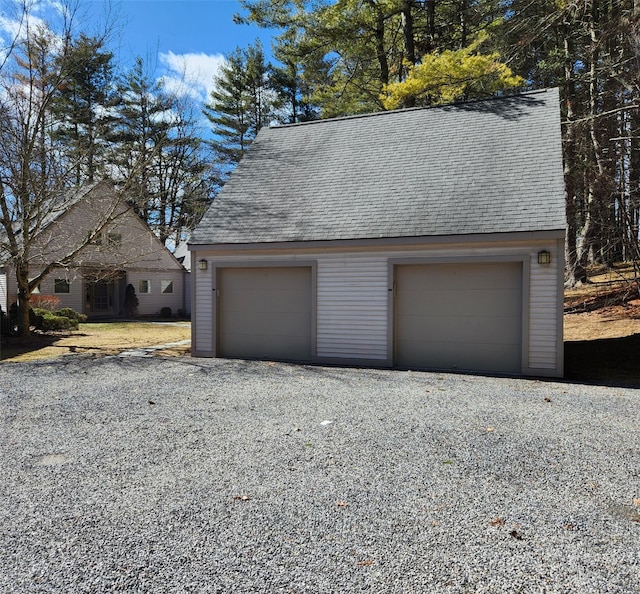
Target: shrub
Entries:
(48, 302)
(36, 317)
(6, 327)
(165, 312)
(52, 322)
(72, 314)
(47, 321)
(130, 301)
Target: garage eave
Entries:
(383, 242)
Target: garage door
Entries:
(459, 316)
(265, 313)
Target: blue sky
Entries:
(179, 36)
(176, 38)
(182, 26)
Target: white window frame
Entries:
(164, 285)
(148, 287)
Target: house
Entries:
(183, 256)
(428, 238)
(122, 250)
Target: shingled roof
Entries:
(489, 166)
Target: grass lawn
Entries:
(97, 338)
(601, 333)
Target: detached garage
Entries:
(459, 316)
(423, 238)
(265, 313)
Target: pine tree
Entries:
(348, 52)
(239, 105)
(589, 50)
(138, 129)
(79, 106)
(450, 76)
(160, 158)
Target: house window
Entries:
(61, 285)
(144, 286)
(166, 287)
(114, 239)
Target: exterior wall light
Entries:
(202, 264)
(544, 257)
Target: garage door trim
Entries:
(312, 264)
(524, 259)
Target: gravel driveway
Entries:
(195, 475)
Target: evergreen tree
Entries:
(161, 161)
(290, 82)
(80, 106)
(350, 51)
(239, 105)
(451, 76)
(138, 129)
(589, 50)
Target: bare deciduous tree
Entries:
(36, 174)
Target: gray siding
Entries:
(352, 293)
(3, 292)
(187, 292)
(73, 299)
(546, 295)
(203, 331)
(150, 304)
(353, 308)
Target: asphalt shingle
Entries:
(481, 167)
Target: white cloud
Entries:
(16, 28)
(191, 74)
(15, 24)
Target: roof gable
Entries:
(98, 210)
(482, 167)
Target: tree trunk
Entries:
(408, 32)
(24, 296)
(409, 42)
(462, 18)
(381, 54)
(575, 272)
(431, 25)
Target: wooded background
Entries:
(71, 115)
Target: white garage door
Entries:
(265, 313)
(459, 316)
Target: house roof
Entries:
(181, 253)
(51, 210)
(63, 225)
(471, 168)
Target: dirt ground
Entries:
(610, 322)
(602, 329)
